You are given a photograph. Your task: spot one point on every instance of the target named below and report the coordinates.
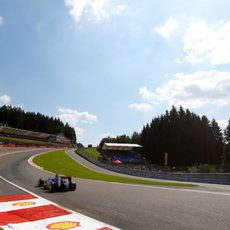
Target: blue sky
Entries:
(109, 66)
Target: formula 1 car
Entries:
(58, 184)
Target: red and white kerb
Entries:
(27, 211)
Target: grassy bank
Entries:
(92, 153)
(60, 162)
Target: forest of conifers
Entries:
(187, 138)
(17, 118)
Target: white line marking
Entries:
(176, 189)
(19, 187)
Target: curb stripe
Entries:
(31, 214)
(22, 204)
(8, 198)
(7, 218)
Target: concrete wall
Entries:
(214, 178)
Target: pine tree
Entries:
(226, 152)
(217, 142)
(187, 138)
(135, 138)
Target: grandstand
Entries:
(123, 153)
(32, 135)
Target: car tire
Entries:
(52, 188)
(40, 183)
(72, 187)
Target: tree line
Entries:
(15, 117)
(187, 138)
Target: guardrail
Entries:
(213, 178)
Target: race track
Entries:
(125, 206)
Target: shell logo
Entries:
(63, 225)
(24, 203)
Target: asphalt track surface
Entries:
(127, 206)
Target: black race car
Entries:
(58, 183)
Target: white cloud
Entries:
(167, 29)
(178, 61)
(73, 116)
(146, 94)
(97, 10)
(5, 99)
(140, 106)
(210, 43)
(79, 131)
(192, 90)
(222, 123)
(1, 20)
(104, 135)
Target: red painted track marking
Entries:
(16, 197)
(6, 217)
(31, 214)
(105, 228)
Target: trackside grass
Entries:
(92, 153)
(59, 162)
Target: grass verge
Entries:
(59, 162)
(92, 153)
